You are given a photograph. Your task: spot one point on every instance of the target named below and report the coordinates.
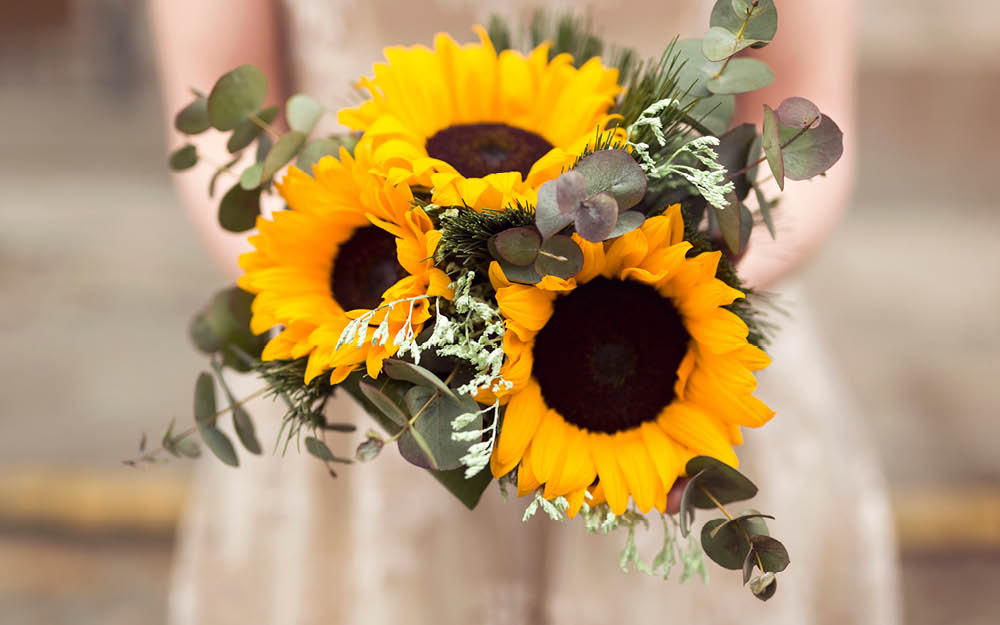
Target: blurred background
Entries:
(100, 272)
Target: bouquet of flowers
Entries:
(521, 265)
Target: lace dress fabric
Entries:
(279, 542)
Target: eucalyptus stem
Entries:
(739, 527)
(264, 126)
(739, 35)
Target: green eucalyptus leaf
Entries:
(812, 153)
(748, 566)
(318, 449)
(235, 95)
(302, 112)
(733, 150)
(193, 118)
(696, 70)
(720, 44)
(524, 275)
(315, 150)
(753, 8)
(715, 112)
(796, 112)
(282, 152)
(409, 372)
(687, 509)
(468, 491)
(518, 246)
(245, 429)
(753, 158)
(741, 75)
(384, 404)
(761, 27)
(548, 218)
(264, 143)
(627, 222)
(764, 587)
(746, 226)
(218, 443)
(239, 209)
(724, 544)
(429, 443)
(616, 173)
(370, 448)
(597, 217)
(560, 256)
(183, 158)
(187, 448)
(238, 338)
(725, 483)
(204, 398)
(771, 142)
(773, 554)
(250, 178)
(730, 220)
(248, 129)
(765, 210)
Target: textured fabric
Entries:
(279, 542)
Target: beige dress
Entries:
(279, 542)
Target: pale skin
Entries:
(812, 57)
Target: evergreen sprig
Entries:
(465, 232)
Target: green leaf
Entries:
(235, 95)
(302, 112)
(318, 448)
(696, 70)
(239, 208)
(616, 173)
(762, 27)
(725, 483)
(224, 324)
(765, 210)
(193, 118)
(627, 222)
(548, 218)
(468, 491)
(245, 430)
(741, 76)
(524, 275)
(811, 154)
(264, 144)
(384, 404)
(752, 7)
(726, 544)
(720, 44)
(219, 172)
(409, 372)
(248, 130)
(715, 112)
(184, 158)
(733, 150)
(773, 554)
(764, 587)
(517, 246)
(219, 443)
(560, 256)
(204, 398)
(370, 448)
(315, 150)
(771, 143)
(730, 223)
(428, 443)
(283, 151)
(187, 448)
(250, 178)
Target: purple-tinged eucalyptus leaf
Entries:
(771, 143)
(517, 246)
(616, 173)
(741, 75)
(811, 154)
(796, 112)
(596, 218)
(773, 554)
(627, 222)
(548, 219)
(560, 256)
(571, 190)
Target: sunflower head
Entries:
(624, 372)
(478, 126)
(350, 243)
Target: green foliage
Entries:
(223, 327)
(193, 118)
(236, 95)
(184, 157)
(239, 208)
(302, 112)
(754, 21)
(465, 232)
(286, 148)
(740, 75)
(250, 129)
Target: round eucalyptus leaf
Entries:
(245, 430)
(193, 118)
(796, 112)
(248, 130)
(409, 372)
(597, 217)
(764, 587)
(725, 483)
(571, 190)
(235, 95)
(762, 26)
(204, 398)
(370, 448)
(428, 443)
(812, 153)
(724, 544)
(616, 173)
(315, 150)
(317, 448)
(715, 112)
(771, 142)
(524, 275)
(741, 76)
(733, 149)
(302, 112)
(719, 44)
(384, 404)
(283, 151)
(753, 8)
(627, 222)
(239, 208)
(560, 256)
(773, 554)
(548, 219)
(250, 178)
(219, 443)
(184, 158)
(696, 70)
(517, 246)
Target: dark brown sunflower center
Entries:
(364, 268)
(607, 359)
(477, 150)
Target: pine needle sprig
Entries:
(465, 232)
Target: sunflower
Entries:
(349, 244)
(624, 372)
(480, 127)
